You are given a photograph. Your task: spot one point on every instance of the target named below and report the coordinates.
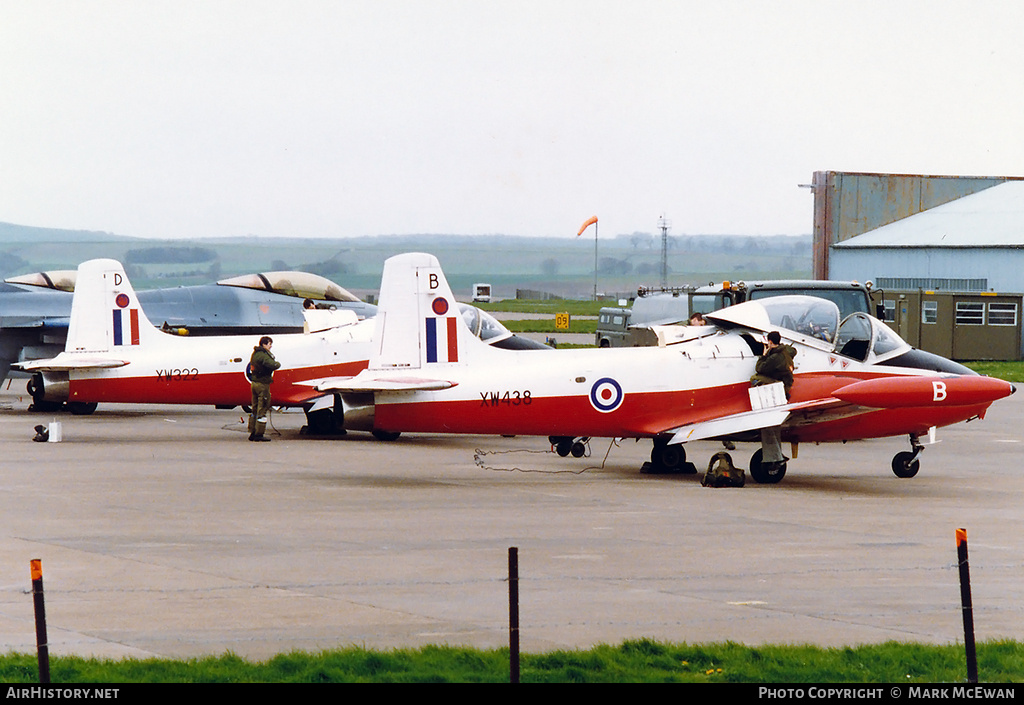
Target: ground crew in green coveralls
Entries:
(261, 373)
(776, 365)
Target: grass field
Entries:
(639, 661)
(1010, 371)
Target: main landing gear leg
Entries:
(905, 463)
(667, 457)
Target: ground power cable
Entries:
(479, 455)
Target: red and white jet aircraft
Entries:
(428, 374)
(114, 354)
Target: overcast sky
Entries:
(343, 118)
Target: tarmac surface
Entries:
(162, 531)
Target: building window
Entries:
(930, 312)
(888, 310)
(1002, 314)
(970, 313)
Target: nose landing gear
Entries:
(905, 463)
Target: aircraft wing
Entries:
(66, 363)
(729, 425)
(54, 322)
(369, 383)
(797, 414)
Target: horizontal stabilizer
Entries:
(66, 363)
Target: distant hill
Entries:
(561, 266)
(11, 233)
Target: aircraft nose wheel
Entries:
(905, 464)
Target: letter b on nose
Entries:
(938, 391)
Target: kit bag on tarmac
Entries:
(722, 473)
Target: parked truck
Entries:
(623, 327)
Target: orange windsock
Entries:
(586, 225)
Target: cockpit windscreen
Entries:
(813, 317)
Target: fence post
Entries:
(513, 614)
(42, 648)
(967, 606)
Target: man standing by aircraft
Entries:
(261, 373)
(775, 365)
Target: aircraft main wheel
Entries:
(323, 422)
(668, 458)
(578, 449)
(766, 473)
(905, 464)
(81, 408)
(385, 435)
(563, 447)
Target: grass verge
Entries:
(636, 661)
(571, 306)
(1010, 371)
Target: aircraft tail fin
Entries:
(418, 322)
(105, 312)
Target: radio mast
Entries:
(664, 225)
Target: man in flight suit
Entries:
(261, 373)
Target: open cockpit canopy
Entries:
(816, 321)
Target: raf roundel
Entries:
(439, 306)
(606, 395)
(121, 300)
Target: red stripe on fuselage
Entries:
(181, 386)
(644, 414)
(640, 414)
